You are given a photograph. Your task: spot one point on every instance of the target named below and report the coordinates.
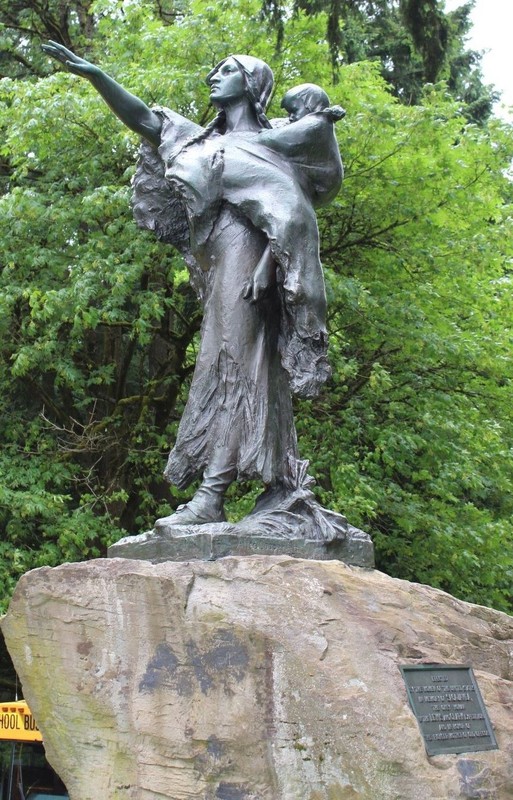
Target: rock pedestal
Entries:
(251, 678)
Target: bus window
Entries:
(26, 774)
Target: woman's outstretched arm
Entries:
(130, 109)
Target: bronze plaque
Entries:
(447, 703)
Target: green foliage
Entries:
(419, 275)
(411, 439)
(414, 42)
(24, 22)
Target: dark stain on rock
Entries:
(474, 780)
(84, 647)
(231, 791)
(215, 747)
(225, 660)
(220, 662)
(161, 667)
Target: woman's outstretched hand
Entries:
(132, 112)
(79, 66)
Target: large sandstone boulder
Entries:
(257, 678)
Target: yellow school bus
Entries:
(25, 774)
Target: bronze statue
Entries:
(237, 198)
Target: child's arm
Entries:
(263, 279)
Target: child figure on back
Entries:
(301, 102)
(308, 98)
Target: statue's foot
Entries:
(201, 510)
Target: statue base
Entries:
(217, 540)
(285, 521)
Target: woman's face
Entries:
(227, 84)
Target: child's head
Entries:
(304, 99)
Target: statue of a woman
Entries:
(237, 198)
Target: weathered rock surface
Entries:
(257, 678)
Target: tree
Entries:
(418, 413)
(411, 437)
(25, 24)
(415, 41)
